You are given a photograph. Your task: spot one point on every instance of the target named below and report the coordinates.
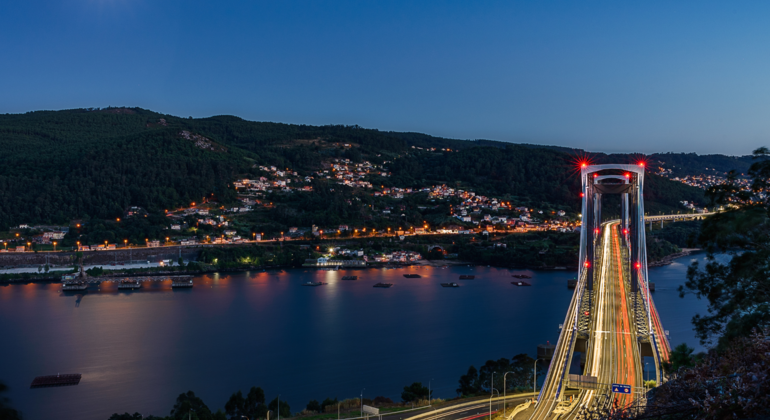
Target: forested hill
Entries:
(94, 163)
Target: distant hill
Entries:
(94, 163)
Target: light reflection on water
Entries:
(138, 350)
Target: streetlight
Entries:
(429, 403)
(490, 401)
(362, 402)
(491, 393)
(125, 241)
(54, 246)
(505, 389)
(279, 406)
(29, 246)
(534, 376)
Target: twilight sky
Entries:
(612, 76)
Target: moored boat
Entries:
(450, 284)
(349, 277)
(412, 276)
(313, 283)
(129, 284)
(383, 285)
(467, 277)
(520, 283)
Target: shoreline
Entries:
(668, 259)
(26, 278)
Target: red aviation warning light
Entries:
(625, 231)
(638, 265)
(587, 264)
(628, 175)
(596, 230)
(582, 195)
(640, 163)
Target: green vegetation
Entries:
(415, 392)
(738, 291)
(92, 164)
(682, 234)
(521, 368)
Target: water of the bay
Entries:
(138, 350)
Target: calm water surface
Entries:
(138, 350)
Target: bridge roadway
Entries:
(613, 355)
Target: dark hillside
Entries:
(62, 165)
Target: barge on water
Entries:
(56, 380)
(521, 276)
(450, 284)
(74, 285)
(313, 283)
(467, 277)
(349, 277)
(181, 283)
(129, 284)
(412, 276)
(520, 283)
(383, 285)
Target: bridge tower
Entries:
(628, 181)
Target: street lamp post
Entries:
(534, 376)
(54, 246)
(278, 408)
(505, 390)
(429, 403)
(362, 402)
(490, 401)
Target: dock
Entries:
(182, 282)
(74, 285)
(130, 284)
(68, 379)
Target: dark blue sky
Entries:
(599, 75)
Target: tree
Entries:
(255, 403)
(125, 416)
(6, 412)
(415, 392)
(328, 402)
(469, 383)
(235, 407)
(313, 405)
(680, 357)
(285, 410)
(253, 406)
(498, 367)
(188, 406)
(522, 367)
(738, 291)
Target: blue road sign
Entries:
(621, 389)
